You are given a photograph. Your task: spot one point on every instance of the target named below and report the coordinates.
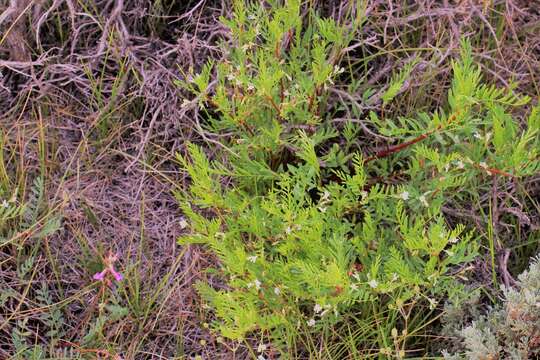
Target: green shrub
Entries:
(306, 222)
(509, 331)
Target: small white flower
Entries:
(257, 284)
(354, 287)
(373, 283)
(460, 164)
(261, 348)
(364, 194)
(338, 70)
(477, 135)
(404, 195)
(183, 223)
(231, 77)
(423, 200)
(311, 322)
(250, 87)
(249, 285)
(277, 291)
(453, 240)
(185, 103)
(317, 308)
(322, 209)
(5, 204)
(252, 258)
(288, 230)
(325, 196)
(446, 167)
(432, 303)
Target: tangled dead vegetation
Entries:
(96, 81)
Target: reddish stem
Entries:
(393, 149)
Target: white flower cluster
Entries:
(256, 283)
(325, 200)
(405, 195)
(320, 311)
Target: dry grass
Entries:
(88, 100)
(100, 92)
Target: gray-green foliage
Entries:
(25, 215)
(25, 220)
(311, 227)
(510, 331)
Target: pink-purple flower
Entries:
(109, 269)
